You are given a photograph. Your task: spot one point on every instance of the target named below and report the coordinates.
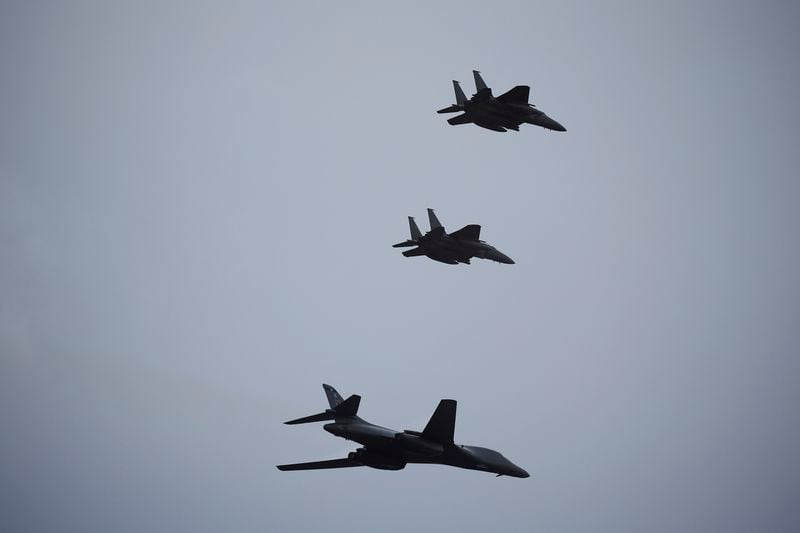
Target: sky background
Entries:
(197, 206)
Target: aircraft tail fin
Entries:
(433, 220)
(339, 408)
(334, 398)
(479, 83)
(442, 425)
(461, 98)
(416, 234)
(349, 407)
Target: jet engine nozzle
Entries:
(376, 460)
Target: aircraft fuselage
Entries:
(493, 114)
(389, 449)
(452, 251)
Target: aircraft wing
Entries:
(320, 465)
(470, 233)
(517, 95)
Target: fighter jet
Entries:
(388, 449)
(506, 111)
(457, 247)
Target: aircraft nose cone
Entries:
(547, 122)
(553, 125)
(523, 474)
(506, 260)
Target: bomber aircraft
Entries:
(388, 449)
(457, 247)
(501, 113)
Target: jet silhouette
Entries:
(506, 111)
(457, 247)
(388, 449)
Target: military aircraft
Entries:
(457, 247)
(388, 449)
(500, 113)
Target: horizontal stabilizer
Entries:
(517, 95)
(442, 425)
(413, 253)
(405, 244)
(471, 232)
(319, 417)
(452, 109)
(320, 465)
(460, 119)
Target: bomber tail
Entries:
(334, 398)
(339, 408)
(442, 425)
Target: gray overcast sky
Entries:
(197, 203)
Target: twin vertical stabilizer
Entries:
(461, 98)
(434, 222)
(479, 83)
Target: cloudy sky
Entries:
(197, 206)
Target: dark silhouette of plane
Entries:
(388, 449)
(500, 113)
(457, 247)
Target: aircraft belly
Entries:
(450, 253)
(443, 259)
(503, 117)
